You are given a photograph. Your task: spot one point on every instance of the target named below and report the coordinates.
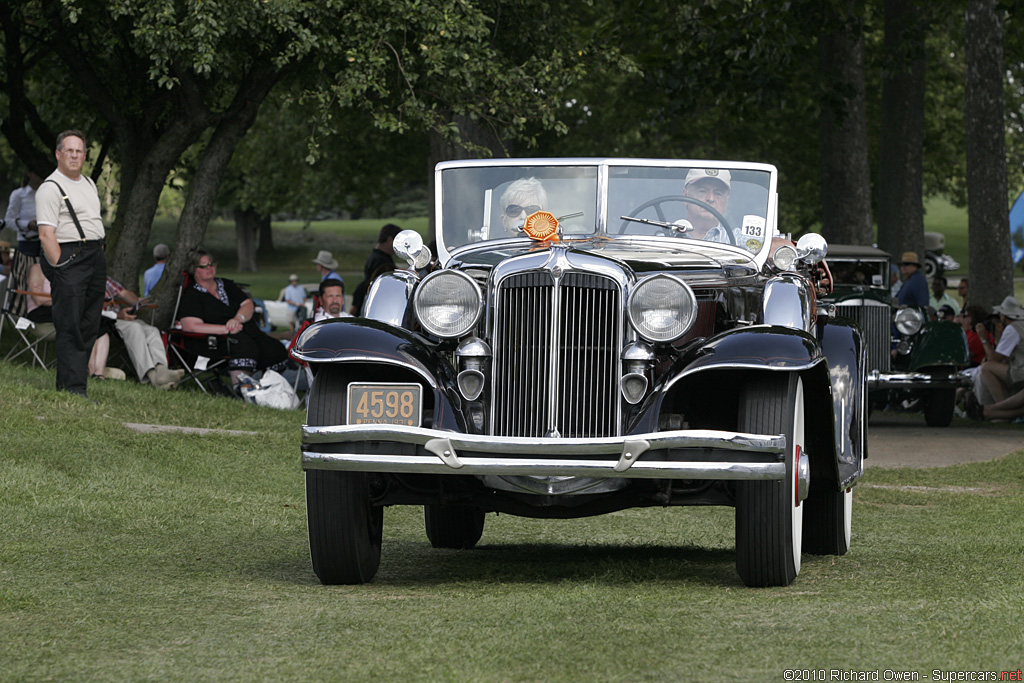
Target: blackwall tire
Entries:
(345, 530)
(938, 412)
(769, 521)
(453, 526)
(828, 517)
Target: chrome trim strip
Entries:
(421, 464)
(916, 380)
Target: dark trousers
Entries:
(77, 289)
(249, 350)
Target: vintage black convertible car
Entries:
(595, 335)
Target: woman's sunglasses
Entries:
(513, 210)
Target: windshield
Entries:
(865, 273)
(719, 203)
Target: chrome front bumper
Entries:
(681, 454)
(916, 380)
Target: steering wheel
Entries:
(658, 201)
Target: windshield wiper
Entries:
(680, 226)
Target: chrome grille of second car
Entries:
(874, 320)
(556, 356)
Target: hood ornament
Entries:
(541, 226)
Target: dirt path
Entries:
(903, 441)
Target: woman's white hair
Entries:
(522, 190)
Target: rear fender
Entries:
(375, 351)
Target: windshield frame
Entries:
(604, 168)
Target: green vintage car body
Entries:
(913, 361)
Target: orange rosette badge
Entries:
(542, 225)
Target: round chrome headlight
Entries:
(662, 308)
(784, 257)
(909, 320)
(448, 303)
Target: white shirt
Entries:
(1008, 342)
(321, 314)
(51, 209)
(21, 210)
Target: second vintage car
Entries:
(914, 362)
(596, 335)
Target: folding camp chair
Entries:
(207, 372)
(31, 338)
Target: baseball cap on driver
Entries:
(696, 174)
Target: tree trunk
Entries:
(988, 228)
(246, 227)
(845, 172)
(266, 239)
(205, 184)
(901, 140)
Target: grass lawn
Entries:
(133, 556)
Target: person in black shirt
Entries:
(379, 262)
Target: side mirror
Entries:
(409, 246)
(811, 248)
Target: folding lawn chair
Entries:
(206, 371)
(31, 338)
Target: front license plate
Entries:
(384, 403)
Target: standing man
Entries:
(71, 232)
(156, 271)
(21, 215)
(940, 297)
(379, 259)
(295, 298)
(914, 291)
(325, 264)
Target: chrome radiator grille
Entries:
(556, 356)
(874, 320)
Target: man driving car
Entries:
(712, 187)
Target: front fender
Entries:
(940, 343)
(372, 350)
(843, 346)
(703, 384)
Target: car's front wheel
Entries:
(345, 530)
(769, 516)
(453, 526)
(938, 412)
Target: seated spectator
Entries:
(1003, 373)
(294, 296)
(1009, 408)
(143, 342)
(39, 305)
(217, 306)
(332, 301)
(946, 312)
(152, 275)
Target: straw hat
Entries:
(910, 257)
